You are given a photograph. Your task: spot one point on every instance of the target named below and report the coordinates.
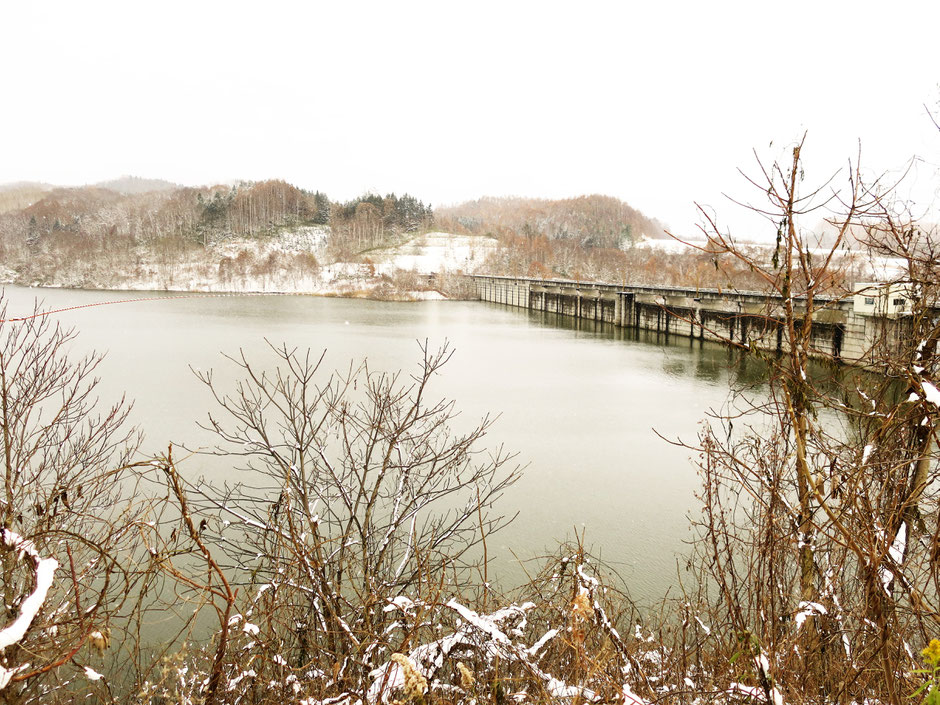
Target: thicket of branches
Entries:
(816, 564)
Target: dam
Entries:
(855, 330)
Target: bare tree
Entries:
(816, 551)
(359, 495)
(69, 545)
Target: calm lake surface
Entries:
(578, 402)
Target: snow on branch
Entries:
(45, 569)
(929, 393)
(479, 634)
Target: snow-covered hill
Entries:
(296, 260)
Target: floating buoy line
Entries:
(201, 295)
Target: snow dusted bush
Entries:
(565, 648)
(70, 546)
(358, 493)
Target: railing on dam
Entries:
(749, 319)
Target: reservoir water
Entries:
(581, 403)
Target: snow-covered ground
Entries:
(669, 246)
(293, 261)
(436, 252)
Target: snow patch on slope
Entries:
(436, 252)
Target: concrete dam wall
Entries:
(848, 330)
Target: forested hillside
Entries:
(145, 230)
(589, 237)
(591, 221)
(371, 220)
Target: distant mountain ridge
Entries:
(26, 185)
(129, 185)
(22, 194)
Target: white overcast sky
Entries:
(657, 103)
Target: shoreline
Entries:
(360, 292)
